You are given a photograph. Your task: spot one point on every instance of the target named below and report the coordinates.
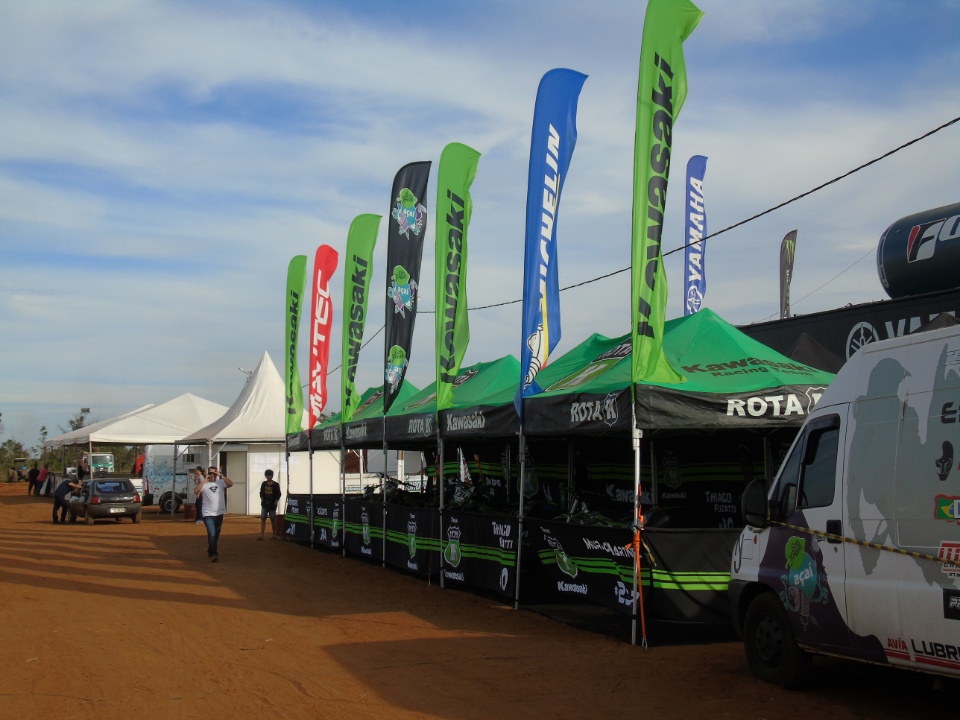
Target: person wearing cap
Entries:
(269, 499)
(213, 494)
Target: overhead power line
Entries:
(730, 227)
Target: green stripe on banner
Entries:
(357, 529)
(685, 581)
(596, 566)
(485, 552)
(691, 581)
(402, 538)
(296, 519)
(327, 523)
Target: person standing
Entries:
(269, 499)
(198, 480)
(32, 480)
(190, 508)
(42, 480)
(213, 495)
(60, 501)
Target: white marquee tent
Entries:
(250, 438)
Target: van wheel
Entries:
(88, 519)
(169, 503)
(772, 651)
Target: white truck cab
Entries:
(855, 549)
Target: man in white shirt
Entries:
(213, 494)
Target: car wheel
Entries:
(169, 503)
(772, 651)
(135, 518)
(88, 519)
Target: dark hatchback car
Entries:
(103, 499)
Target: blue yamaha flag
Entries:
(551, 147)
(694, 277)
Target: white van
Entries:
(855, 550)
(158, 478)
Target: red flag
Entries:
(321, 323)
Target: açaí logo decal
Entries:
(409, 214)
(451, 553)
(802, 584)
(402, 290)
(396, 366)
(365, 521)
(412, 535)
(564, 562)
(671, 470)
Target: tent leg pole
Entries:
(440, 500)
(523, 468)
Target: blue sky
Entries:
(161, 162)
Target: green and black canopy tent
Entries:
(705, 437)
(482, 403)
(729, 381)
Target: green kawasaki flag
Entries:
(361, 239)
(458, 167)
(662, 90)
(296, 283)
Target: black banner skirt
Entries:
(363, 529)
(480, 551)
(296, 519)
(413, 539)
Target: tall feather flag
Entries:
(321, 322)
(358, 268)
(788, 249)
(296, 284)
(662, 90)
(551, 147)
(458, 168)
(695, 275)
(406, 228)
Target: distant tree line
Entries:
(14, 454)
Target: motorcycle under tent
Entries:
(249, 438)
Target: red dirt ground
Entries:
(120, 620)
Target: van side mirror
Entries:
(753, 504)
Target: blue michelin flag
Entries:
(694, 278)
(551, 147)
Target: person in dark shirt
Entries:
(32, 477)
(269, 499)
(60, 501)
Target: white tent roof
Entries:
(257, 415)
(80, 435)
(162, 424)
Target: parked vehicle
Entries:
(855, 550)
(106, 498)
(101, 464)
(158, 475)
